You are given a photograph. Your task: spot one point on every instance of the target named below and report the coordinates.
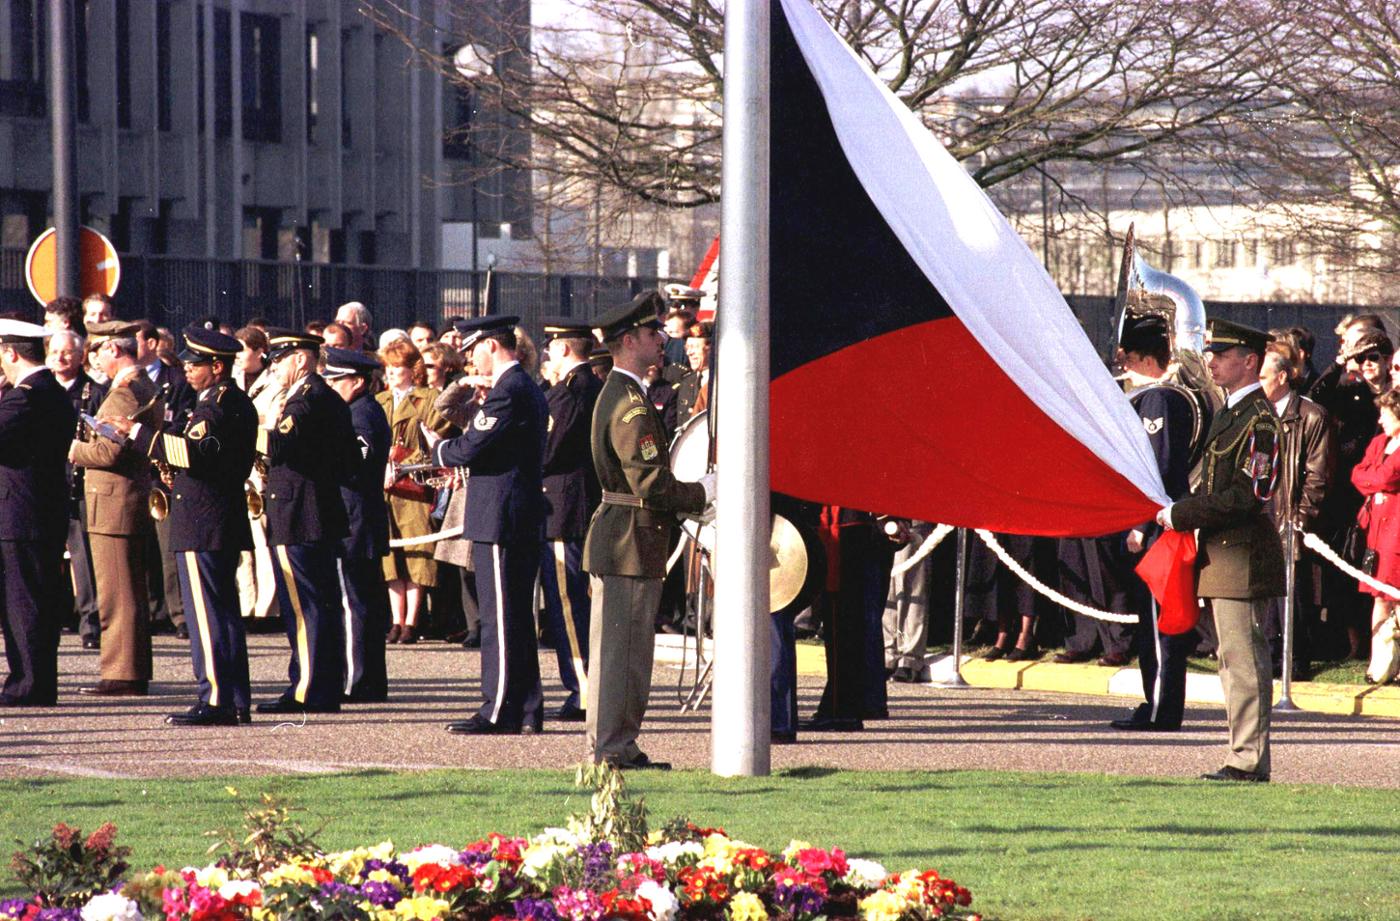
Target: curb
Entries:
(1096, 680)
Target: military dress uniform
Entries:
(503, 449)
(36, 428)
(310, 453)
(364, 597)
(1239, 557)
(163, 579)
(117, 487)
(87, 395)
(211, 456)
(626, 549)
(571, 493)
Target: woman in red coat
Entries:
(1377, 477)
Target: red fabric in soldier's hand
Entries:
(1169, 569)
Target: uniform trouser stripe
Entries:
(349, 626)
(561, 570)
(500, 631)
(302, 648)
(201, 616)
(1161, 661)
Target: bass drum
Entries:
(798, 566)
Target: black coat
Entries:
(37, 422)
(571, 490)
(363, 493)
(311, 452)
(87, 395)
(176, 394)
(210, 456)
(503, 448)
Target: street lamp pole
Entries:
(61, 128)
(474, 65)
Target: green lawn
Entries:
(1029, 846)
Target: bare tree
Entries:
(628, 93)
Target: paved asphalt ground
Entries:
(433, 682)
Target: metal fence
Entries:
(174, 291)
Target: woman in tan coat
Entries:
(409, 408)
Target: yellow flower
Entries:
(422, 908)
(883, 906)
(211, 877)
(793, 847)
(745, 906)
(288, 873)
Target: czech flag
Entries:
(923, 362)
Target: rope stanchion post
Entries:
(1290, 607)
(959, 609)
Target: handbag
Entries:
(1385, 652)
(406, 487)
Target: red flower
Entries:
(439, 878)
(620, 906)
(64, 835)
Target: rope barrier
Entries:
(1320, 547)
(928, 546)
(1047, 591)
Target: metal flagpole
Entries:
(959, 607)
(62, 123)
(740, 721)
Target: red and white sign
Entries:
(99, 268)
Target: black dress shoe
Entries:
(1029, 654)
(1114, 659)
(92, 642)
(782, 738)
(570, 713)
(244, 715)
(996, 652)
(1234, 773)
(831, 724)
(1136, 725)
(904, 675)
(202, 714)
(361, 697)
(290, 705)
(1071, 658)
(480, 726)
(10, 700)
(473, 641)
(643, 763)
(115, 688)
(182, 632)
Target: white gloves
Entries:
(708, 482)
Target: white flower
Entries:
(673, 853)
(539, 855)
(432, 853)
(864, 874)
(211, 877)
(235, 888)
(663, 902)
(111, 906)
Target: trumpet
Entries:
(429, 475)
(158, 502)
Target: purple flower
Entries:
(799, 900)
(335, 890)
(475, 859)
(59, 914)
(597, 863)
(13, 908)
(535, 910)
(382, 895)
(392, 866)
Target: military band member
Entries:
(117, 482)
(66, 354)
(626, 548)
(310, 453)
(211, 455)
(364, 596)
(571, 493)
(503, 450)
(1240, 559)
(37, 422)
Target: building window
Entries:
(313, 82)
(1283, 251)
(1251, 253)
(346, 37)
(223, 72)
(261, 47)
(22, 61)
(165, 93)
(456, 121)
(1224, 254)
(1198, 254)
(123, 37)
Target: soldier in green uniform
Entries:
(1239, 561)
(628, 538)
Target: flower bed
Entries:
(700, 874)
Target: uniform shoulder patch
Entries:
(549, 427)
(1153, 426)
(633, 413)
(647, 443)
(483, 422)
(286, 425)
(633, 396)
(364, 447)
(198, 430)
